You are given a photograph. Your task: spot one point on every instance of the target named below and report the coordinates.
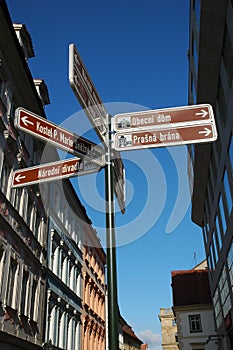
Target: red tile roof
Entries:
(190, 287)
(128, 330)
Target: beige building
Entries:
(93, 317)
(169, 329)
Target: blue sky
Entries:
(136, 54)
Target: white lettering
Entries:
(169, 136)
(145, 139)
(45, 130)
(48, 172)
(137, 121)
(66, 140)
(162, 118)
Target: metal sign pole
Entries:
(113, 341)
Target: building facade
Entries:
(210, 81)
(192, 305)
(169, 329)
(94, 292)
(64, 272)
(128, 340)
(48, 297)
(23, 220)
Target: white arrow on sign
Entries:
(18, 178)
(202, 114)
(59, 137)
(26, 121)
(206, 132)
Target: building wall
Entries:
(23, 220)
(169, 329)
(43, 228)
(189, 340)
(94, 335)
(64, 274)
(210, 80)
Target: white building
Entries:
(193, 309)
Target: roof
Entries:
(128, 330)
(190, 287)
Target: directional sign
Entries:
(46, 172)
(85, 91)
(87, 167)
(59, 137)
(179, 135)
(161, 117)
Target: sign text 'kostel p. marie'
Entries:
(64, 139)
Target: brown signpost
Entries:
(164, 127)
(49, 132)
(85, 91)
(46, 172)
(164, 137)
(161, 117)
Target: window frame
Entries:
(195, 325)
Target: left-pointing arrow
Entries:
(19, 177)
(26, 121)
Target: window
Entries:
(212, 256)
(33, 299)
(222, 216)
(230, 263)
(224, 292)
(227, 192)
(217, 308)
(218, 232)
(195, 323)
(11, 282)
(24, 293)
(214, 246)
(5, 178)
(230, 151)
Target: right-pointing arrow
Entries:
(206, 132)
(203, 113)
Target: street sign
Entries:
(59, 137)
(87, 167)
(46, 172)
(161, 117)
(85, 91)
(164, 137)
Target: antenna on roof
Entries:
(195, 258)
